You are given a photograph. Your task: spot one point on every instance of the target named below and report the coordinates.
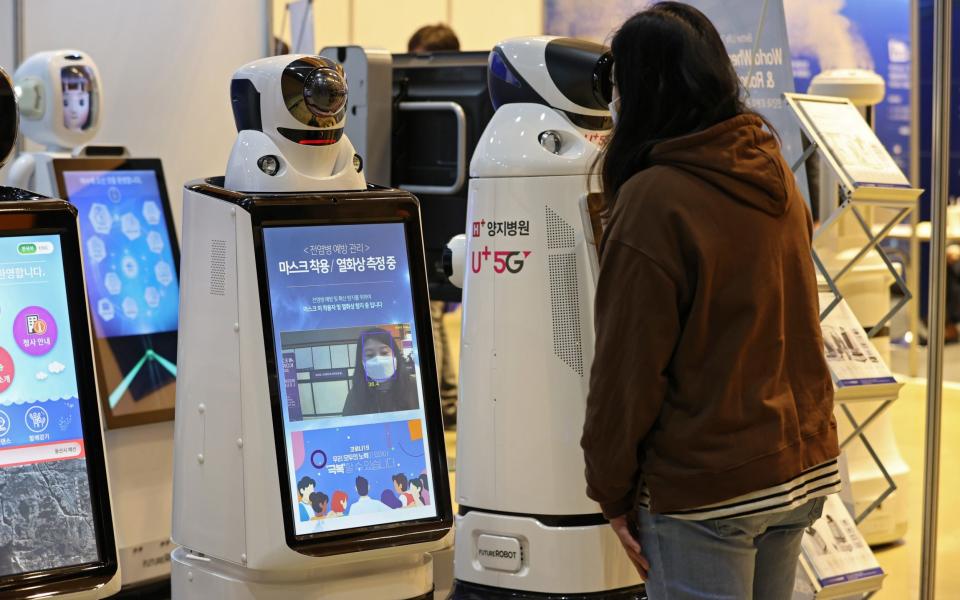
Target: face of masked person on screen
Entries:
(379, 362)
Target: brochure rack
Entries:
(868, 179)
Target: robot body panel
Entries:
(523, 367)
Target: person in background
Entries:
(304, 489)
(424, 490)
(433, 38)
(416, 488)
(338, 505)
(390, 499)
(319, 501)
(365, 504)
(437, 38)
(711, 444)
(401, 486)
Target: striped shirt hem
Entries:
(821, 480)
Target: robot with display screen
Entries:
(238, 534)
(528, 266)
(60, 99)
(60, 105)
(24, 214)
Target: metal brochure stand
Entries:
(859, 193)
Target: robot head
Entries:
(570, 75)
(8, 117)
(294, 99)
(60, 97)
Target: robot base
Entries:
(393, 578)
(514, 556)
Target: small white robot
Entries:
(70, 552)
(60, 98)
(303, 147)
(528, 266)
(280, 489)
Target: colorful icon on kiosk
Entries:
(36, 419)
(35, 330)
(4, 423)
(6, 372)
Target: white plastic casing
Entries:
(227, 491)
(300, 163)
(528, 56)
(525, 361)
(245, 175)
(43, 70)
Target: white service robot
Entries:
(301, 282)
(528, 265)
(60, 99)
(57, 534)
(60, 104)
(867, 290)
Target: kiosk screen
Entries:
(48, 520)
(130, 259)
(355, 434)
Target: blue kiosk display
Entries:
(57, 539)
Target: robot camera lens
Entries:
(269, 164)
(325, 92)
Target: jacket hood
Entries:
(737, 156)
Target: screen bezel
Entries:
(80, 164)
(374, 209)
(60, 219)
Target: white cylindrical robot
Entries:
(310, 458)
(526, 527)
(56, 535)
(866, 289)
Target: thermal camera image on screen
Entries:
(46, 518)
(132, 285)
(345, 339)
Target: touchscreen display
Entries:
(46, 516)
(354, 423)
(132, 287)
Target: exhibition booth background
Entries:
(166, 68)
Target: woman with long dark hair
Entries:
(382, 382)
(709, 438)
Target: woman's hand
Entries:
(631, 545)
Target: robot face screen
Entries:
(315, 93)
(79, 96)
(50, 521)
(357, 447)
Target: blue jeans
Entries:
(725, 559)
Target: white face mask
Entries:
(380, 368)
(613, 109)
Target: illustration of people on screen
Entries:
(402, 487)
(365, 504)
(77, 89)
(423, 489)
(389, 498)
(381, 380)
(338, 506)
(319, 502)
(305, 488)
